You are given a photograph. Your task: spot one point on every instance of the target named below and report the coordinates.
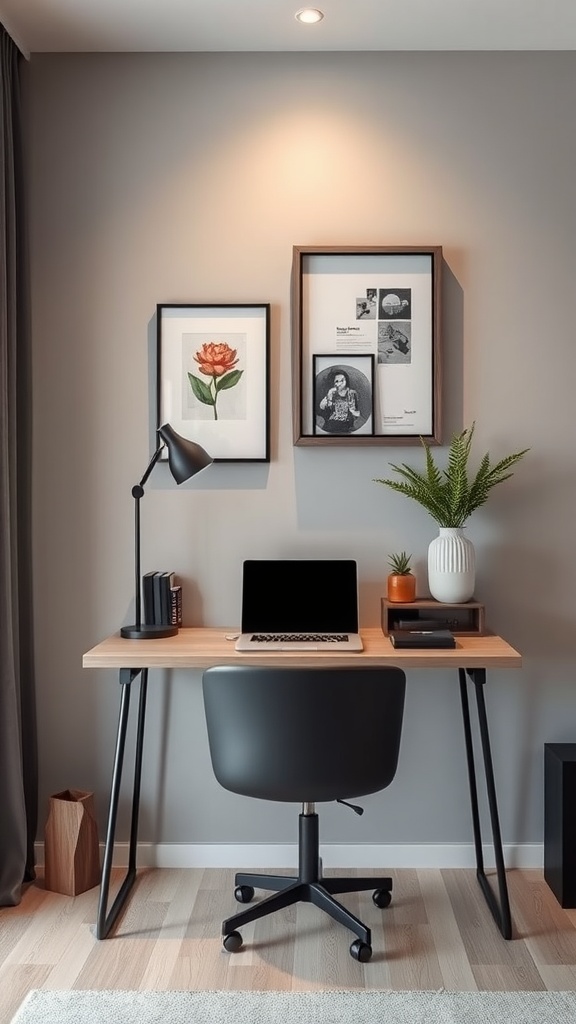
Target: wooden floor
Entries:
(438, 933)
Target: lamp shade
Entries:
(185, 458)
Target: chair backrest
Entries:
(304, 734)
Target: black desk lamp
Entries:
(185, 459)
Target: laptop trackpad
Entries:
(300, 647)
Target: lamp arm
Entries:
(151, 464)
(137, 494)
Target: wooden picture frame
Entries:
(213, 377)
(359, 301)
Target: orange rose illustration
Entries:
(216, 360)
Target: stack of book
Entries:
(162, 599)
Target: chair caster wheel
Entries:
(244, 893)
(360, 951)
(233, 942)
(382, 898)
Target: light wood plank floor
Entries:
(438, 933)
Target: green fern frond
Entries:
(433, 474)
(450, 495)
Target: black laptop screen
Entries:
(300, 596)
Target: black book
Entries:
(176, 605)
(402, 638)
(157, 598)
(148, 597)
(166, 581)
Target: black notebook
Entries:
(422, 638)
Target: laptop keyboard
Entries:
(326, 638)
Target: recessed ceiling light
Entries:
(309, 15)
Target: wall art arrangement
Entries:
(213, 377)
(366, 345)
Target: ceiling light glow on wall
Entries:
(309, 15)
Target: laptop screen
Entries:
(300, 596)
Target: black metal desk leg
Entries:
(105, 919)
(500, 911)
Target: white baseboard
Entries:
(369, 855)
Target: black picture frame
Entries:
(343, 395)
(213, 376)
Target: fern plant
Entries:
(451, 495)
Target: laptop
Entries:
(299, 605)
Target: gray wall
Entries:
(188, 178)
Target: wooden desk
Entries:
(201, 648)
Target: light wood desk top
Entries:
(200, 648)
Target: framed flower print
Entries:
(213, 377)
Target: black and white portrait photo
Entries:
(343, 394)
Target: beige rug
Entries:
(347, 1007)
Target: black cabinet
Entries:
(560, 821)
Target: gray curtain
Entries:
(18, 750)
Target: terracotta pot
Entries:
(402, 589)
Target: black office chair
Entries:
(304, 735)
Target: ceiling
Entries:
(269, 25)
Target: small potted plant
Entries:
(401, 581)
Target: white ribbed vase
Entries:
(451, 566)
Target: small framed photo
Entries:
(213, 377)
(364, 301)
(343, 395)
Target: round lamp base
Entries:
(148, 632)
